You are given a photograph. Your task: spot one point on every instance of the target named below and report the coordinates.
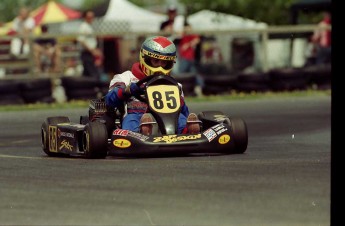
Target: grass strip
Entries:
(233, 96)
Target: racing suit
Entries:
(134, 108)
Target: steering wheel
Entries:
(142, 97)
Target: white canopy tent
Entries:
(138, 19)
(207, 20)
(121, 16)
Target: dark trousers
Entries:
(323, 55)
(90, 69)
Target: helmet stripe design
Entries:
(157, 56)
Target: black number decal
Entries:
(157, 100)
(171, 101)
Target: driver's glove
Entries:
(133, 90)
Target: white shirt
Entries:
(126, 77)
(87, 35)
(19, 25)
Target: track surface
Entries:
(282, 179)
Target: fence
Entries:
(22, 67)
(218, 77)
(70, 48)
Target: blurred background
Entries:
(274, 12)
(245, 44)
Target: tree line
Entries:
(272, 12)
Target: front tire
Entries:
(95, 140)
(240, 131)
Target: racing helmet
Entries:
(157, 47)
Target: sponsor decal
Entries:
(122, 143)
(224, 139)
(222, 131)
(174, 138)
(210, 134)
(120, 132)
(157, 56)
(139, 136)
(66, 144)
(125, 133)
(219, 129)
(65, 134)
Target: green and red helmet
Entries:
(158, 47)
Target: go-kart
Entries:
(90, 137)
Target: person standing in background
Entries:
(323, 40)
(173, 26)
(47, 53)
(23, 25)
(90, 51)
(187, 53)
(168, 25)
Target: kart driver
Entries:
(157, 55)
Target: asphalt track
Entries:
(282, 179)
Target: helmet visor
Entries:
(155, 63)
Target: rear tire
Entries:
(95, 140)
(45, 133)
(240, 131)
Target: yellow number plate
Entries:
(164, 98)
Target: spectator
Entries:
(47, 53)
(157, 55)
(322, 40)
(173, 26)
(168, 25)
(23, 25)
(211, 52)
(90, 53)
(310, 53)
(187, 53)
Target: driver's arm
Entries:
(115, 97)
(120, 90)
